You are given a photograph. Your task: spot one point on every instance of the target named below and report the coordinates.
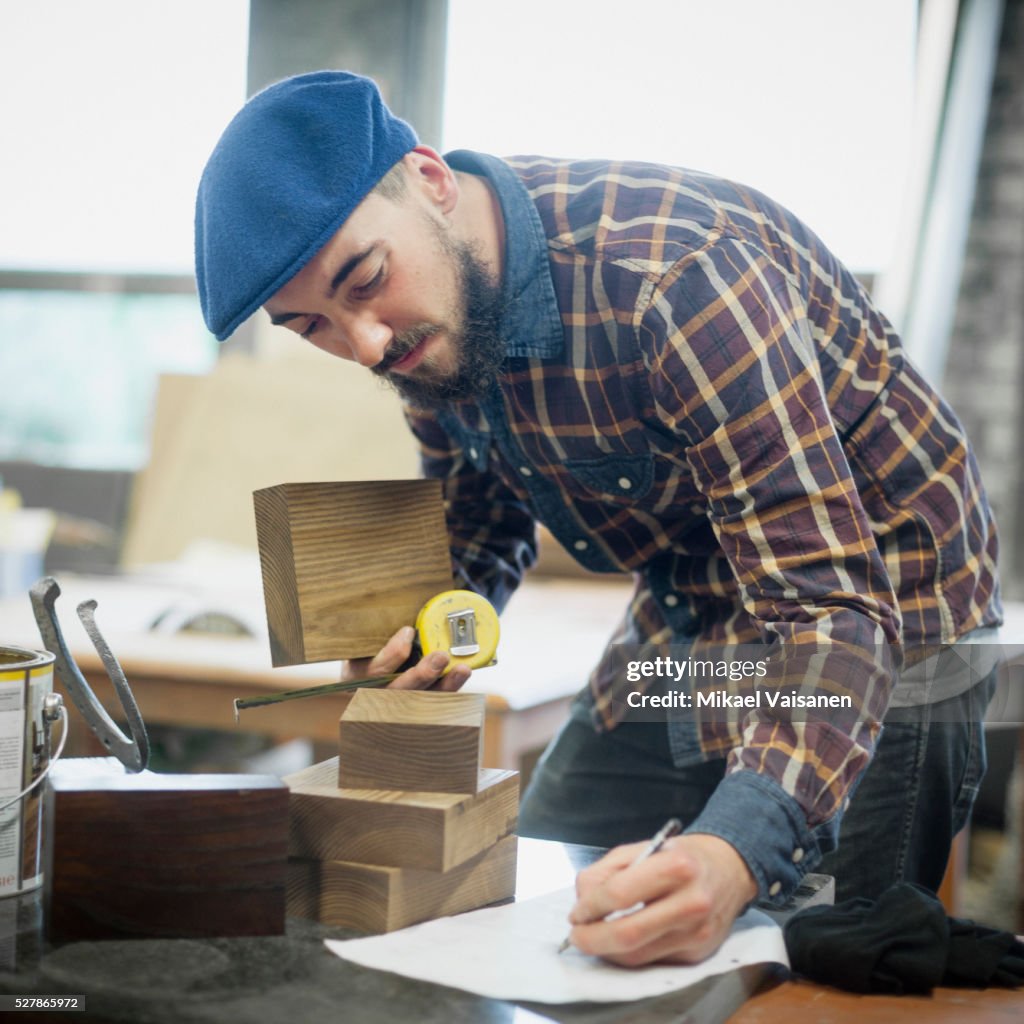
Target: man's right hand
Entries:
(424, 675)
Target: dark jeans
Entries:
(603, 789)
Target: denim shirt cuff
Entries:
(768, 829)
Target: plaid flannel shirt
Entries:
(698, 392)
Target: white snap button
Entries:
(473, 453)
(671, 600)
(581, 545)
(526, 471)
(798, 855)
(775, 889)
(625, 483)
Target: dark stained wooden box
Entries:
(172, 856)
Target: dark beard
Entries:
(478, 348)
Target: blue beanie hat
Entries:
(289, 169)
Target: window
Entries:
(808, 101)
(79, 370)
(111, 109)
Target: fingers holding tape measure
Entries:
(399, 653)
(414, 670)
(434, 672)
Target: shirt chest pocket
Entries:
(620, 477)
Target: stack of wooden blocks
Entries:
(403, 825)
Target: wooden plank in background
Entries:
(251, 423)
(373, 898)
(347, 564)
(415, 740)
(434, 831)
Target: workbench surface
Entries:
(293, 979)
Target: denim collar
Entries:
(532, 324)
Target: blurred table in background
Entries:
(552, 634)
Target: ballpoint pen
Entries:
(671, 827)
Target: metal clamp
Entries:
(132, 752)
(462, 627)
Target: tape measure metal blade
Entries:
(461, 623)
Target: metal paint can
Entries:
(26, 679)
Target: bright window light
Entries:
(111, 108)
(807, 100)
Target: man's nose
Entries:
(368, 338)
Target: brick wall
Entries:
(984, 377)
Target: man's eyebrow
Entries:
(336, 282)
(348, 266)
(343, 272)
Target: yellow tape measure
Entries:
(459, 622)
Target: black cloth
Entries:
(901, 943)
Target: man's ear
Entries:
(432, 177)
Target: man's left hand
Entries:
(426, 674)
(692, 890)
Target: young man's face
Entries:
(395, 292)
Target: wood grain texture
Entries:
(433, 831)
(800, 1000)
(373, 898)
(172, 856)
(414, 740)
(280, 589)
(345, 565)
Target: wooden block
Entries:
(345, 565)
(414, 740)
(373, 898)
(173, 856)
(434, 831)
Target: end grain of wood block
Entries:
(411, 740)
(372, 898)
(433, 831)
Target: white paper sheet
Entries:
(511, 952)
